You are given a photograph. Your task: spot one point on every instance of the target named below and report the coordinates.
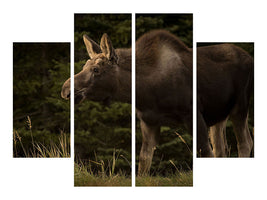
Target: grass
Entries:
(177, 179)
(38, 150)
(84, 177)
(99, 173)
(105, 175)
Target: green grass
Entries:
(104, 175)
(178, 179)
(84, 177)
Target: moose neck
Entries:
(123, 93)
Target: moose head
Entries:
(98, 80)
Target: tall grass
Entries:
(99, 173)
(183, 140)
(39, 150)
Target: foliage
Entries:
(180, 25)
(39, 71)
(117, 26)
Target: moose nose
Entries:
(65, 92)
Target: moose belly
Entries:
(216, 111)
(163, 118)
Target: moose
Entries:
(164, 68)
(104, 77)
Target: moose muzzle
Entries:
(65, 92)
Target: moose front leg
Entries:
(150, 140)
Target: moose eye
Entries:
(96, 70)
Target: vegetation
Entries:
(180, 25)
(55, 149)
(98, 173)
(178, 179)
(39, 70)
(83, 178)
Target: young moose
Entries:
(163, 87)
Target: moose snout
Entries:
(65, 92)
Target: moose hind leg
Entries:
(218, 139)
(150, 140)
(203, 145)
(243, 137)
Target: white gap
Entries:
(194, 97)
(72, 98)
(133, 100)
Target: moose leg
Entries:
(203, 145)
(243, 137)
(218, 139)
(150, 139)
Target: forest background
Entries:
(41, 118)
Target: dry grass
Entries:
(182, 139)
(38, 150)
(85, 177)
(103, 174)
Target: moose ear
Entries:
(92, 47)
(107, 48)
